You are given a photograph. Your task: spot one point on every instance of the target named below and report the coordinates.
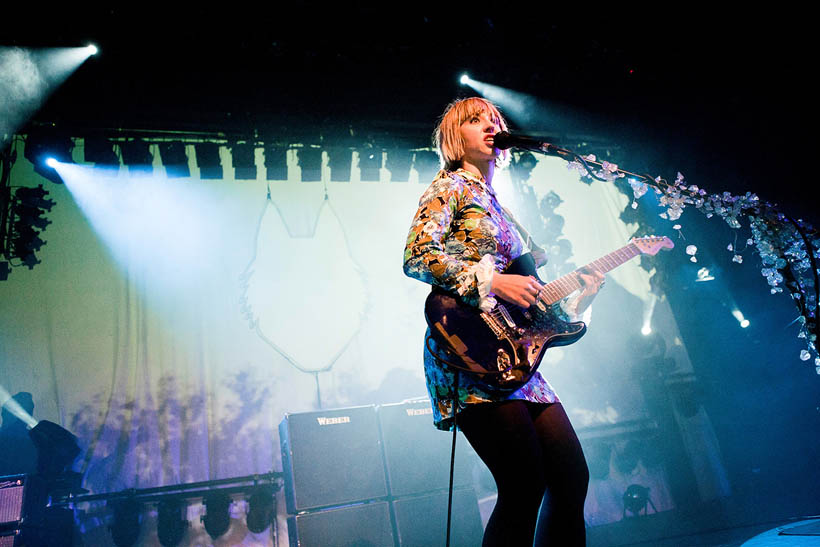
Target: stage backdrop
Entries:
(174, 321)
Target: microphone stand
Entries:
(552, 150)
(608, 172)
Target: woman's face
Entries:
(477, 132)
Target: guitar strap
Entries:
(538, 253)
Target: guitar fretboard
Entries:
(568, 284)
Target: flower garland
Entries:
(788, 248)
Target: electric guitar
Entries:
(503, 347)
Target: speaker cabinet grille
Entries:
(417, 454)
(364, 525)
(11, 499)
(331, 457)
(422, 520)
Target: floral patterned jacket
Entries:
(459, 236)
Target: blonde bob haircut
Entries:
(447, 136)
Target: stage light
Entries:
(742, 321)
(51, 162)
(276, 162)
(136, 155)
(125, 529)
(100, 151)
(370, 163)
(43, 143)
(28, 208)
(648, 311)
(28, 77)
(91, 49)
(636, 498)
(398, 162)
(21, 405)
(261, 509)
(172, 521)
(465, 79)
(704, 275)
(217, 517)
(339, 159)
(174, 159)
(208, 161)
(57, 448)
(310, 161)
(243, 157)
(522, 108)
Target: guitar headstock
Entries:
(650, 245)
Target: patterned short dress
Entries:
(460, 235)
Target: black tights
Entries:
(530, 448)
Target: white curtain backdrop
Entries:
(169, 319)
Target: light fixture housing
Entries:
(174, 159)
(243, 157)
(209, 161)
(217, 517)
(261, 509)
(276, 162)
(310, 162)
(172, 521)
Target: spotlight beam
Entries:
(14, 407)
(29, 76)
(531, 113)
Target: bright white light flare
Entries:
(15, 408)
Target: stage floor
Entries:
(785, 534)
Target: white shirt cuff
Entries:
(484, 271)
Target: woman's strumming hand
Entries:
(521, 290)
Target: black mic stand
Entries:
(661, 185)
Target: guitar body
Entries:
(502, 347)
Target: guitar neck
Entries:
(568, 284)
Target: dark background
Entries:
(722, 98)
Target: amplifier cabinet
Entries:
(24, 517)
(331, 457)
(363, 525)
(421, 521)
(417, 454)
(21, 496)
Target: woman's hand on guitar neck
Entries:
(521, 290)
(591, 283)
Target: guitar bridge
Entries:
(504, 315)
(497, 329)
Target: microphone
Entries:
(504, 140)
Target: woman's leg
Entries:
(561, 521)
(505, 438)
